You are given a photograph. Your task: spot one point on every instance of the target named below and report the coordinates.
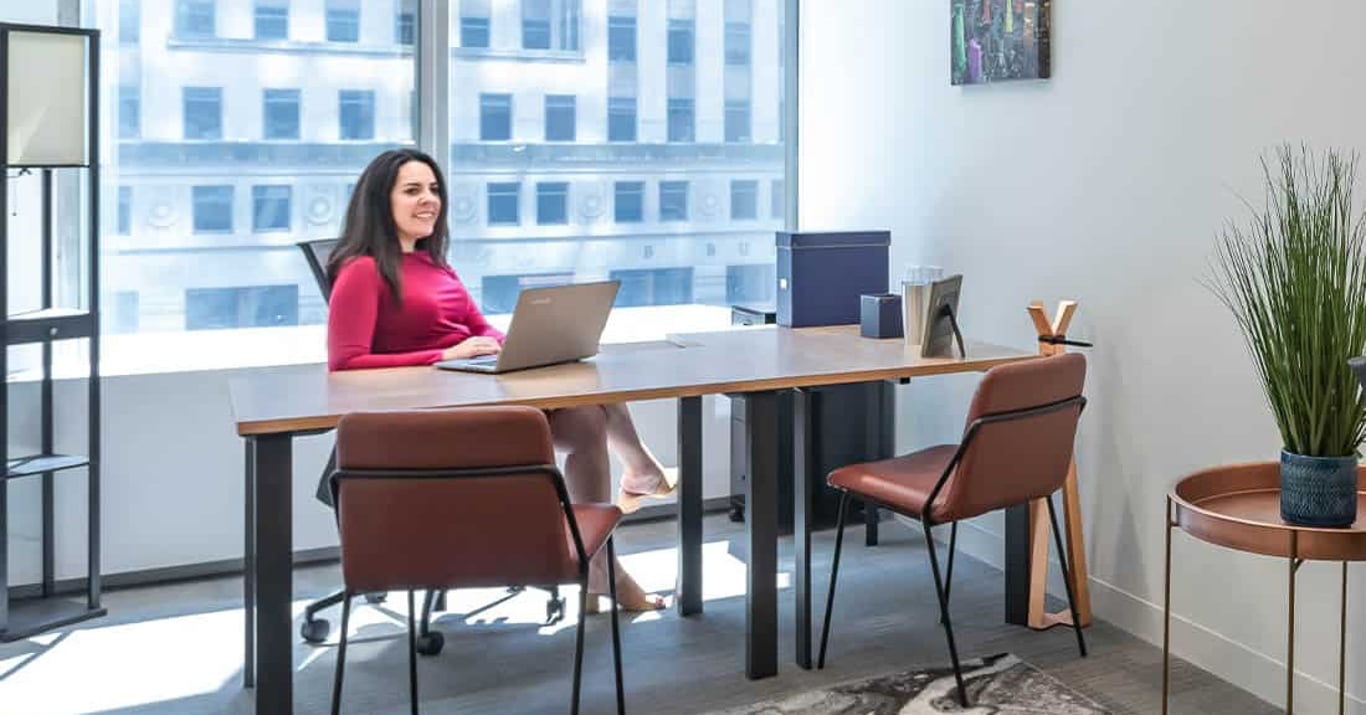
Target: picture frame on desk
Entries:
(941, 330)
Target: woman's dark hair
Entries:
(370, 229)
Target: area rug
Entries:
(999, 685)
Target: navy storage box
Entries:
(821, 275)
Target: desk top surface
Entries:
(293, 399)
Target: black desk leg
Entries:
(249, 565)
(272, 464)
(689, 589)
(881, 443)
(803, 461)
(1017, 565)
(761, 525)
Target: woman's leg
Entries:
(581, 432)
(641, 471)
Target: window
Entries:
(272, 20)
(737, 121)
(559, 117)
(241, 307)
(130, 111)
(503, 204)
(751, 283)
(130, 21)
(653, 286)
(680, 120)
(552, 203)
(737, 43)
(673, 201)
(621, 119)
(621, 39)
(404, 27)
(535, 32)
(629, 201)
(550, 25)
(195, 18)
(280, 115)
(777, 200)
(212, 209)
(744, 200)
(125, 216)
(270, 208)
(495, 117)
(474, 32)
(203, 112)
(680, 42)
(500, 292)
(357, 113)
(343, 22)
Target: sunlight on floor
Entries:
(150, 661)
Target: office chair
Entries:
(314, 629)
(485, 506)
(1015, 448)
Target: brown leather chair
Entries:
(1016, 448)
(465, 498)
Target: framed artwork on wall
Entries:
(999, 40)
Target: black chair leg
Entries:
(948, 573)
(578, 642)
(616, 633)
(1066, 577)
(944, 616)
(834, 574)
(341, 655)
(412, 653)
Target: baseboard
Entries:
(1256, 672)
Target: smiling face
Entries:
(415, 202)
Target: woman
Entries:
(395, 302)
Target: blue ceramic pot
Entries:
(1318, 491)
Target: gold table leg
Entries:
(1167, 612)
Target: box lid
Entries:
(832, 239)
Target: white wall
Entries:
(1107, 184)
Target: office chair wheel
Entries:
(737, 513)
(431, 643)
(315, 631)
(554, 610)
(373, 598)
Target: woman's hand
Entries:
(472, 347)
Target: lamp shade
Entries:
(46, 103)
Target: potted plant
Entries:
(1295, 279)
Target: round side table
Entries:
(1239, 506)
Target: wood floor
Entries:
(502, 662)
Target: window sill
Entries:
(247, 348)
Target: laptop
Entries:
(550, 325)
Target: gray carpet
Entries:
(1000, 685)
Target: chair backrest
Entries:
(452, 498)
(316, 252)
(1018, 441)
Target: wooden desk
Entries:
(752, 364)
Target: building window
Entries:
(495, 117)
(737, 43)
(280, 115)
(535, 31)
(241, 307)
(203, 112)
(550, 25)
(744, 200)
(621, 39)
(130, 21)
(559, 117)
(629, 201)
(499, 293)
(272, 20)
(673, 201)
(680, 42)
(212, 209)
(270, 208)
(680, 120)
(405, 27)
(357, 113)
(125, 216)
(653, 286)
(777, 200)
(195, 18)
(751, 283)
(130, 111)
(503, 204)
(621, 119)
(737, 120)
(343, 22)
(552, 203)
(474, 32)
